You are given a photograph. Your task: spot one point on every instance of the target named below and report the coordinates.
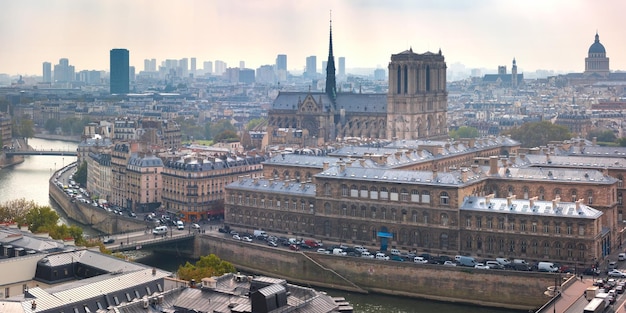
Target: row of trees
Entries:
(70, 126)
(39, 219)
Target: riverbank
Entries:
(6, 162)
(57, 137)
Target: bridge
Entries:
(11, 152)
(181, 242)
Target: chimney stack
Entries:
(509, 200)
(342, 167)
(493, 165)
(488, 198)
(325, 165)
(464, 175)
(532, 201)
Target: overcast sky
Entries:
(540, 34)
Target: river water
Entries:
(29, 180)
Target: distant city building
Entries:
(380, 74)
(220, 67)
(597, 63)
(503, 79)
(311, 67)
(265, 75)
(193, 66)
(208, 67)
(281, 62)
(47, 72)
(242, 64)
(231, 75)
(131, 73)
(476, 72)
(246, 76)
(183, 68)
(89, 77)
(342, 67)
(64, 72)
(119, 71)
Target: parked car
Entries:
(246, 239)
(591, 271)
(449, 263)
(108, 240)
(195, 226)
(481, 266)
(617, 273)
(619, 289)
(396, 258)
(420, 260)
(294, 247)
(272, 244)
(322, 250)
(236, 237)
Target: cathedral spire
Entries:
(331, 85)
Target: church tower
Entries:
(331, 85)
(514, 74)
(417, 100)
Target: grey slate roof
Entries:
(277, 187)
(522, 207)
(452, 178)
(587, 161)
(350, 102)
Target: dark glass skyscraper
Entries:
(119, 74)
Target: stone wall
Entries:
(95, 217)
(508, 289)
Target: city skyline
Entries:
(548, 35)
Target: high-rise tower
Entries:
(120, 71)
(331, 84)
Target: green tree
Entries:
(601, 135)
(207, 266)
(252, 124)
(23, 127)
(221, 126)
(537, 134)
(81, 174)
(622, 142)
(41, 219)
(464, 132)
(51, 125)
(190, 129)
(226, 136)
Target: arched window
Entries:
(374, 193)
(363, 192)
(344, 190)
(404, 195)
(525, 191)
(327, 209)
(393, 194)
(427, 77)
(425, 196)
(444, 219)
(327, 189)
(415, 195)
(399, 80)
(542, 194)
(590, 197)
(574, 195)
(444, 199)
(405, 82)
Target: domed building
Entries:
(596, 63)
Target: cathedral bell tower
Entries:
(417, 100)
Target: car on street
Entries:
(246, 239)
(236, 237)
(420, 260)
(272, 244)
(108, 240)
(591, 271)
(449, 263)
(617, 273)
(294, 247)
(395, 257)
(195, 226)
(322, 250)
(481, 266)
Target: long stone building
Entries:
(415, 106)
(525, 205)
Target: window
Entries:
(444, 199)
(393, 196)
(523, 246)
(569, 229)
(404, 195)
(468, 222)
(344, 190)
(479, 222)
(327, 189)
(581, 230)
(6, 292)
(522, 225)
(489, 222)
(533, 227)
(500, 223)
(374, 193)
(444, 219)
(363, 192)
(590, 197)
(546, 248)
(468, 242)
(384, 195)
(425, 218)
(535, 247)
(425, 197)
(354, 192)
(557, 228)
(546, 227)
(415, 196)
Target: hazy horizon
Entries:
(542, 35)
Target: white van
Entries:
(160, 230)
(366, 254)
(503, 261)
(621, 257)
(180, 225)
(394, 252)
(547, 267)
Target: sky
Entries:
(540, 34)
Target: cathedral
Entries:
(414, 107)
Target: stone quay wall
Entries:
(496, 288)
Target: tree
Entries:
(207, 266)
(537, 134)
(221, 126)
(16, 210)
(41, 219)
(51, 125)
(23, 127)
(252, 124)
(601, 135)
(226, 136)
(81, 174)
(464, 132)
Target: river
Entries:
(29, 180)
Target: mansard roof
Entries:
(350, 102)
(530, 208)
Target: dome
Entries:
(597, 47)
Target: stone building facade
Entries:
(356, 200)
(193, 185)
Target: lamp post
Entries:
(127, 241)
